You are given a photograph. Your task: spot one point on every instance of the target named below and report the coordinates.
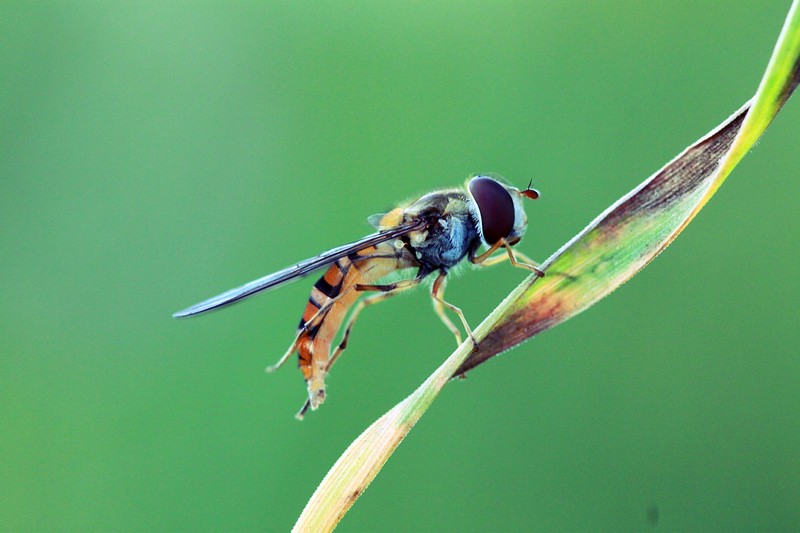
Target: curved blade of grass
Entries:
(633, 231)
(608, 252)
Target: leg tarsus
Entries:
(527, 263)
(302, 412)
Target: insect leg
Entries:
(402, 284)
(511, 255)
(302, 412)
(313, 321)
(399, 287)
(436, 291)
(387, 291)
(481, 259)
(528, 263)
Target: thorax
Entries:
(450, 236)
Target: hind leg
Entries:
(387, 291)
(315, 320)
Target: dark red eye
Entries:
(495, 206)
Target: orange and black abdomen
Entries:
(323, 317)
(329, 286)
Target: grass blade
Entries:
(608, 252)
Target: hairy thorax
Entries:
(446, 242)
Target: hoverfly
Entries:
(431, 234)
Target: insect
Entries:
(431, 234)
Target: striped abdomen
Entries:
(323, 316)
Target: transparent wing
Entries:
(300, 269)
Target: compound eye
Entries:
(495, 206)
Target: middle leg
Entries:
(437, 293)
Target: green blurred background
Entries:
(153, 154)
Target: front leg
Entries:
(485, 260)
